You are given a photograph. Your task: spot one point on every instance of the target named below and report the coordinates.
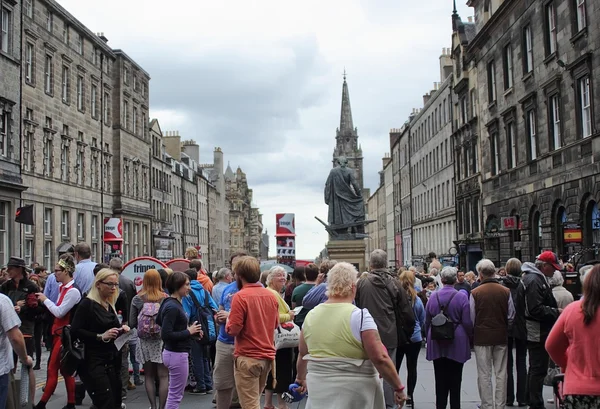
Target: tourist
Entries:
(69, 297)
(203, 278)
(145, 306)
(297, 279)
(311, 272)
(388, 303)
(177, 337)
(573, 345)
(97, 325)
(562, 296)
(411, 350)
(517, 336)
(541, 312)
(252, 321)
(84, 270)
(449, 356)
(492, 311)
(224, 277)
(284, 357)
(10, 339)
(461, 284)
(22, 292)
(223, 379)
(192, 304)
(317, 295)
(341, 356)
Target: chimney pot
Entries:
(470, 19)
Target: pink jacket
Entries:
(574, 347)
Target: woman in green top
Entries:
(340, 350)
(284, 357)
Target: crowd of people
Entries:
(242, 333)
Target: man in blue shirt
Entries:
(224, 382)
(317, 295)
(84, 270)
(51, 289)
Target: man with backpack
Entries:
(199, 306)
(492, 311)
(390, 308)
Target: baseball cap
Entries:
(550, 258)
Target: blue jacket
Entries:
(200, 293)
(419, 310)
(315, 296)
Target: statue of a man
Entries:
(343, 195)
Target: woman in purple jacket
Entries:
(449, 356)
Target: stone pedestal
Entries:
(351, 251)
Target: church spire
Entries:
(346, 116)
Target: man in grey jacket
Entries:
(390, 308)
(541, 312)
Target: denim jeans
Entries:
(3, 390)
(134, 363)
(200, 358)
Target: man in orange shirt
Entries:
(252, 321)
(206, 282)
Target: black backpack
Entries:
(442, 326)
(205, 317)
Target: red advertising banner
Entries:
(135, 269)
(286, 225)
(113, 229)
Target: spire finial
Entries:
(454, 10)
(344, 74)
(346, 117)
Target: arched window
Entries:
(559, 223)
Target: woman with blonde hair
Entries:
(340, 350)
(143, 314)
(284, 357)
(96, 325)
(407, 280)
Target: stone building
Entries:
(245, 220)
(131, 148)
(218, 212)
(388, 180)
(466, 138)
(346, 139)
(162, 196)
(539, 119)
(432, 174)
(264, 246)
(399, 144)
(376, 210)
(68, 145)
(11, 184)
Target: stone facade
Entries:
(376, 210)
(539, 121)
(466, 138)
(245, 220)
(432, 174)
(11, 184)
(68, 145)
(218, 212)
(399, 143)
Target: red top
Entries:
(574, 347)
(253, 318)
(59, 323)
(205, 281)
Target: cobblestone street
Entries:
(424, 394)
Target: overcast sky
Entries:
(262, 79)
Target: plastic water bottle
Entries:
(120, 317)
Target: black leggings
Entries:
(412, 357)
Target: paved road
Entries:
(424, 393)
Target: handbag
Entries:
(287, 335)
(72, 352)
(549, 378)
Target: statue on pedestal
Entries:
(346, 204)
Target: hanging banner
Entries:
(286, 225)
(113, 229)
(135, 269)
